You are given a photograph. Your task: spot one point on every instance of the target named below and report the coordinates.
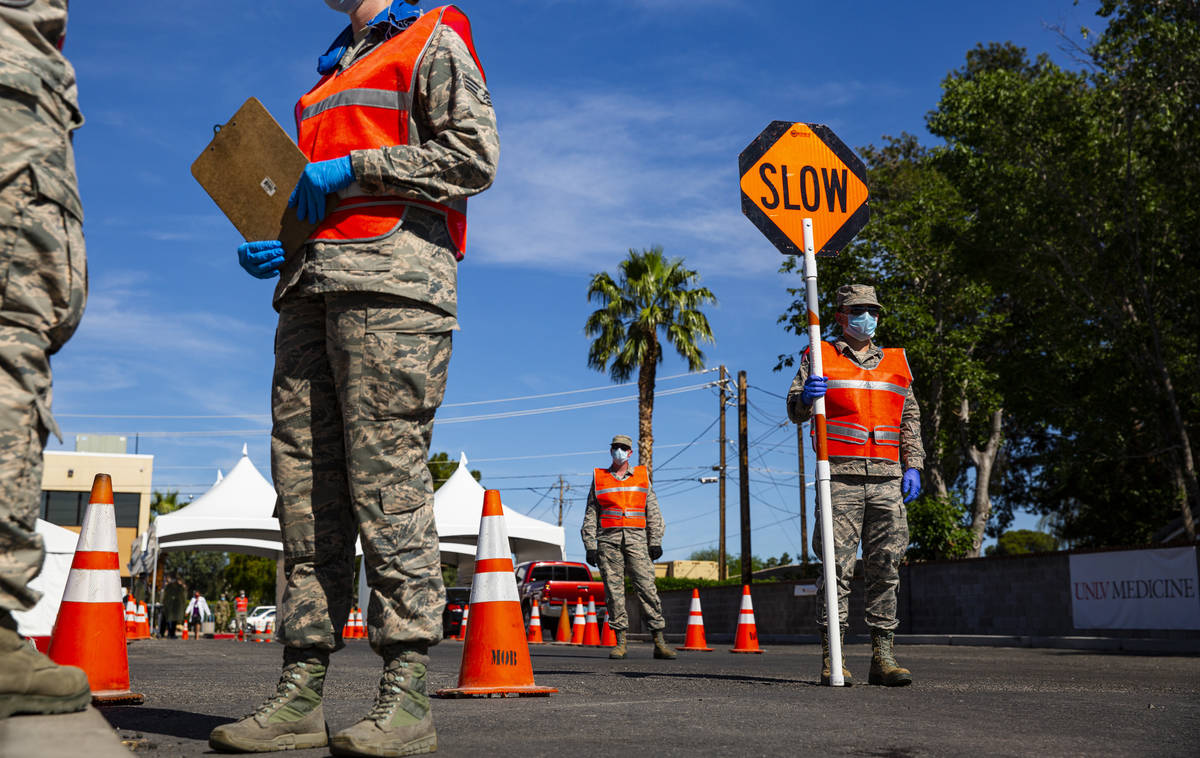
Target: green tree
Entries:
(441, 467)
(162, 503)
(252, 573)
(199, 570)
(1076, 182)
(1023, 542)
(938, 528)
(649, 295)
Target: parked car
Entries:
(456, 600)
(259, 618)
(553, 584)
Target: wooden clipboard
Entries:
(249, 170)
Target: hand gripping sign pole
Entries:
(823, 497)
(800, 184)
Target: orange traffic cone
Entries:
(564, 625)
(143, 621)
(462, 626)
(534, 636)
(90, 629)
(695, 628)
(495, 657)
(747, 633)
(185, 632)
(591, 632)
(579, 625)
(130, 617)
(608, 638)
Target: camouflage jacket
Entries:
(591, 518)
(40, 82)
(456, 157)
(912, 452)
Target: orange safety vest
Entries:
(241, 604)
(622, 501)
(367, 106)
(863, 407)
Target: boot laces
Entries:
(287, 687)
(391, 692)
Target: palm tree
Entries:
(649, 294)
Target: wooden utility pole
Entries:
(744, 476)
(803, 495)
(561, 498)
(722, 566)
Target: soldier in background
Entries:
(873, 431)
(366, 311)
(623, 527)
(43, 262)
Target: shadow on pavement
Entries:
(722, 677)
(182, 724)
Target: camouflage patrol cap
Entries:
(856, 294)
(622, 439)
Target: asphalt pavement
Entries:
(964, 700)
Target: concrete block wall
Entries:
(1026, 596)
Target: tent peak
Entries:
(245, 450)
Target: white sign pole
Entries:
(828, 569)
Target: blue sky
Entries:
(620, 126)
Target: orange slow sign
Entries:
(794, 171)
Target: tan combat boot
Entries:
(620, 651)
(400, 723)
(826, 668)
(32, 683)
(292, 719)
(661, 648)
(884, 669)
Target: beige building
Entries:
(67, 482)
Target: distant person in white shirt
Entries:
(196, 612)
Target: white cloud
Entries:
(584, 176)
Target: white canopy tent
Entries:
(60, 544)
(457, 507)
(233, 516)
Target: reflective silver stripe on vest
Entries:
(858, 384)
(845, 432)
(887, 435)
(355, 190)
(622, 489)
(370, 98)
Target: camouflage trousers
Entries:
(618, 549)
(43, 273)
(353, 400)
(870, 509)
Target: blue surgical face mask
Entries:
(344, 6)
(862, 326)
(620, 455)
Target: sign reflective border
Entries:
(794, 171)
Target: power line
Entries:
(162, 417)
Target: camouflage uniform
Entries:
(867, 504)
(361, 356)
(620, 548)
(44, 269)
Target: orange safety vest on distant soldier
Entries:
(367, 106)
(622, 501)
(863, 407)
(241, 604)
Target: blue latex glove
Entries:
(814, 387)
(261, 259)
(910, 485)
(318, 180)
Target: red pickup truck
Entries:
(551, 583)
